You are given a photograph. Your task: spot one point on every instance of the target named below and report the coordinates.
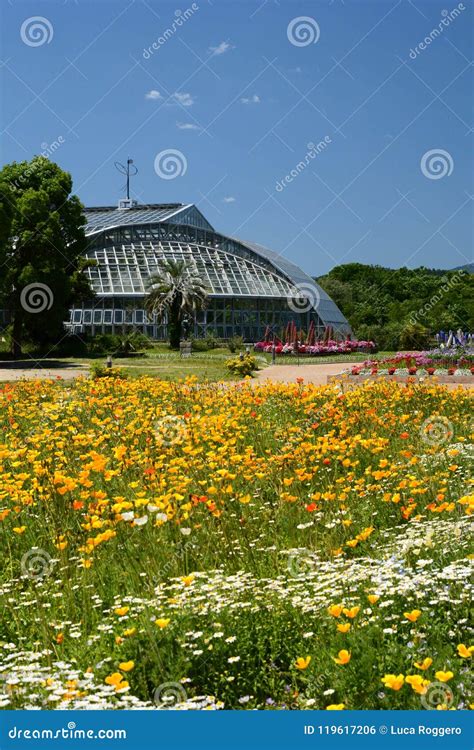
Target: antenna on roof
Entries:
(130, 171)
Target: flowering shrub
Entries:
(252, 546)
(98, 370)
(243, 365)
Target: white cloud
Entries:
(187, 126)
(229, 199)
(254, 99)
(153, 94)
(186, 100)
(220, 49)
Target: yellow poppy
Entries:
(343, 657)
(343, 627)
(427, 662)
(392, 681)
(413, 615)
(302, 662)
(114, 679)
(121, 611)
(464, 651)
(417, 682)
(127, 666)
(352, 612)
(444, 676)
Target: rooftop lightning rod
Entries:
(130, 171)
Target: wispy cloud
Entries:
(254, 99)
(187, 126)
(229, 199)
(220, 49)
(153, 94)
(180, 97)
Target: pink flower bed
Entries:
(318, 349)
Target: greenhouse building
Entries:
(250, 288)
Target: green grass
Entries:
(165, 364)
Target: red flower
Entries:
(311, 507)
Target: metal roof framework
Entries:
(228, 266)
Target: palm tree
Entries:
(175, 291)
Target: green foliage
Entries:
(235, 343)
(243, 365)
(43, 239)
(401, 308)
(211, 341)
(414, 336)
(199, 345)
(205, 344)
(119, 345)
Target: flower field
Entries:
(180, 545)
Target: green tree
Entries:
(42, 256)
(403, 307)
(175, 292)
(6, 216)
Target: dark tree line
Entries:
(401, 308)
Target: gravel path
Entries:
(316, 374)
(42, 373)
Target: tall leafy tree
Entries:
(42, 254)
(175, 292)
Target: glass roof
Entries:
(107, 217)
(327, 309)
(127, 269)
(229, 267)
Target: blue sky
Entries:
(232, 92)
